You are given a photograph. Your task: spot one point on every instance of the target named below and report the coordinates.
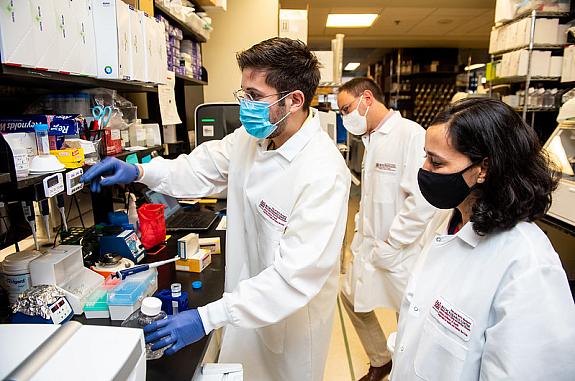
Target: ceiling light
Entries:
(474, 66)
(350, 20)
(351, 66)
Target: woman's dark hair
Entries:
(289, 65)
(519, 179)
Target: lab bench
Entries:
(186, 363)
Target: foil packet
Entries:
(36, 300)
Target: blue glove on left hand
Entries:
(183, 329)
(116, 172)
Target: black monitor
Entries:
(216, 120)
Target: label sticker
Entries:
(208, 130)
(452, 318)
(386, 167)
(272, 214)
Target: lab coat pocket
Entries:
(439, 357)
(273, 336)
(268, 242)
(385, 187)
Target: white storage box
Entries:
(63, 266)
(113, 39)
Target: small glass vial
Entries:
(176, 293)
(42, 142)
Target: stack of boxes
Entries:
(184, 56)
(191, 54)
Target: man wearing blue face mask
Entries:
(288, 189)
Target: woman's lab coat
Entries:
(496, 307)
(391, 208)
(287, 212)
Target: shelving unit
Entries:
(4, 178)
(498, 84)
(25, 77)
(535, 47)
(188, 32)
(189, 81)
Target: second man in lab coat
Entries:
(392, 214)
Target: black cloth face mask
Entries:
(444, 191)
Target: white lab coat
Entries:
(287, 212)
(496, 307)
(391, 208)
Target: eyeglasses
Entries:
(241, 95)
(344, 110)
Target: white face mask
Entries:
(355, 123)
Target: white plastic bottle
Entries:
(150, 312)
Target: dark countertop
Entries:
(184, 364)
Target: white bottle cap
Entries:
(151, 306)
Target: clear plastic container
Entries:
(42, 141)
(137, 134)
(150, 312)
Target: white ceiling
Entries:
(402, 23)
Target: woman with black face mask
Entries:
(488, 298)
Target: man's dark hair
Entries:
(289, 65)
(358, 85)
(519, 180)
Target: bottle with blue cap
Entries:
(42, 142)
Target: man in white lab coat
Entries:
(392, 214)
(288, 188)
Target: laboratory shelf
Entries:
(536, 109)
(535, 47)
(140, 154)
(521, 79)
(41, 78)
(528, 14)
(32, 180)
(187, 31)
(191, 81)
(4, 178)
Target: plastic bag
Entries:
(152, 225)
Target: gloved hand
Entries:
(183, 329)
(117, 172)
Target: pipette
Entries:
(45, 211)
(123, 274)
(29, 214)
(62, 208)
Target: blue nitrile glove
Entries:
(116, 172)
(183, 329)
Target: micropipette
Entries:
(122, 274)
(29, 214)
(45, 211)
(62, 208)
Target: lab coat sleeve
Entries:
(411, 221)
(201, 173)
(527, 343)
(308, 254)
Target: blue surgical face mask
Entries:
(255, 117)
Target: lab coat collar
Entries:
(298, 141)
(385, 126)
(466, 234)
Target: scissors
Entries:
(102, 115)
